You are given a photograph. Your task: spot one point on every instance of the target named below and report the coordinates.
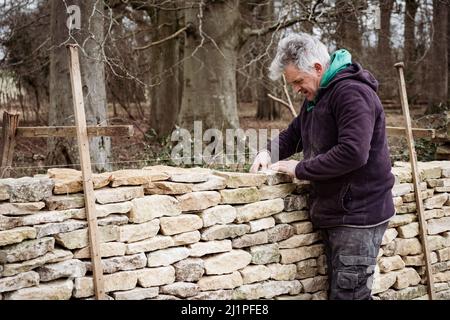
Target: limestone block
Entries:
(48, 229)
(404, 294)
(136, 294)
(167, 187)
(293, 255)
(282, 271)
(108, 249)
(213, 183)
(302, 227)
(79, 238)
(227, 262)
(261, 224)
(248, 240)
(186, 238)
(66, 269)
(401, 220)
(56, 256)
(151, 207)
(291, 216)
(409, 231)
(407, 277)
(104, 210)
(222, 214)
(28, 189)
(113, 219)
(152, 244)
(22, 280)
(180, 289)
(226, 281)
(112, 195)
(267, 290)
(252, 273)
(56, 290)
(203, 248)
(315, 284)
(436, 226)
(71, 181)
(16, 235)
(196, 201)
(189, 270)
(214, 295)
(240, 179)
(240, 196)
(180, 224)
(389, 236)
(307, 269)
(280, 232)
(135, 177)
(223, 231)
(63, 202)
(125, 280)
(299, 240)
(124, 263)
(277, 191)
(26, 250)
(264, 254)
(19, 209)
(275, 177)
(135, 232)
(436, 201)
(295, 202)
(153, 277)
(258, 210)
(388, 264)
(165, 257)
(191, 175)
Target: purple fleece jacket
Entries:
(346, 155)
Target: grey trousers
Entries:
(351, 258)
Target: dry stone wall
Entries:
(173, 233)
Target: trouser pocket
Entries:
(353, 278)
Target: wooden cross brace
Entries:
(11, 131)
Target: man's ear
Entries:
(319, 69)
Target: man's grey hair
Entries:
(302, 50)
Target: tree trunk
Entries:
(384, 52)
(267, 109)
(90, 37)
(438, 80)
(209, 86)
(348, 33)
(410, 38)
(164, 100)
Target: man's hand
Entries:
(286, 167)
(261, 160)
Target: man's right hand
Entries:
(262, 161)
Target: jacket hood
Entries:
(357, 73)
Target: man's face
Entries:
(303, 82)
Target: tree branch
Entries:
(248, 32)
(174, 35)
(284, 103)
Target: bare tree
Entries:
(90, 38)
(164, 82)
(438, 80)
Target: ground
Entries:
(143, 149)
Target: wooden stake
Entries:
(88, 188)
(416, 180)
(10, 123)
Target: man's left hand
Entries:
(285, 166)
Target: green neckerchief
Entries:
(339, 60)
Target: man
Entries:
(341, 131)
